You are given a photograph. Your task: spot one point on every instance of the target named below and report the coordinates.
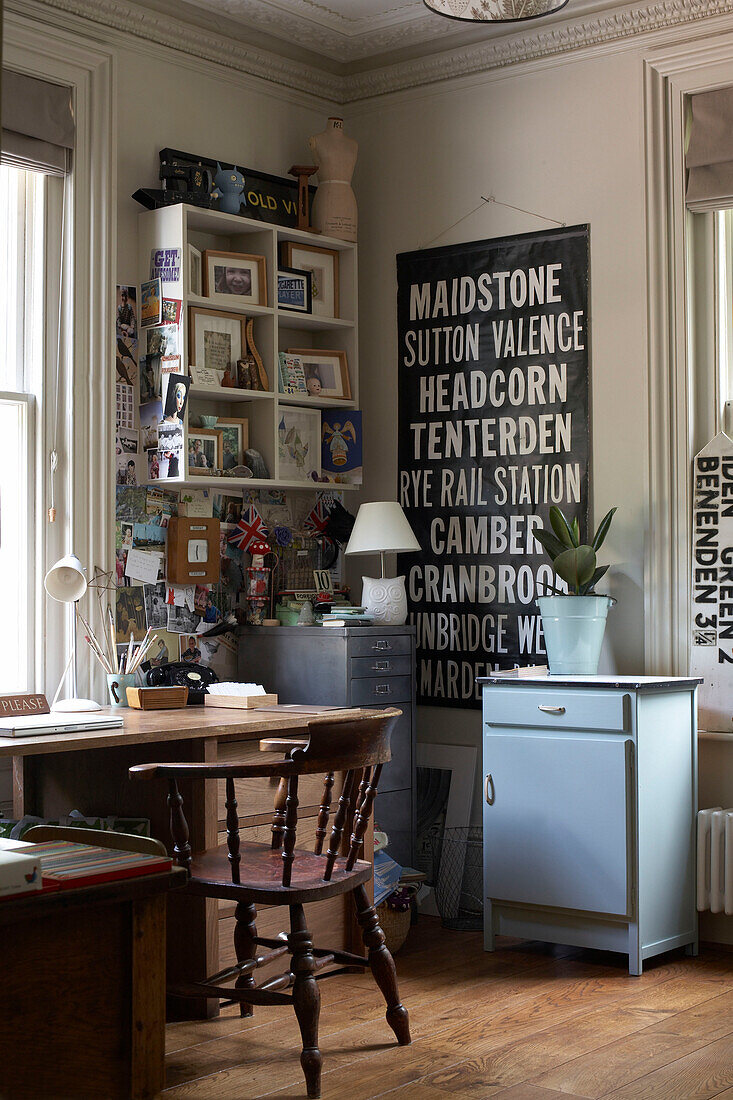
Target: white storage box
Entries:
(20, 873)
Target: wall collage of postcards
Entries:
(196, 624)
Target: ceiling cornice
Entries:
(128, 18)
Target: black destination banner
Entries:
(493, 429)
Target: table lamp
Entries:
(382, 528)
(66, 582)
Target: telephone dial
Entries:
(181, 674)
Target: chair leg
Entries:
(245, 932)
(382, 965)
(306, 998)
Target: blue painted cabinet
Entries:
(590, 796)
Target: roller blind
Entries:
(37, 123)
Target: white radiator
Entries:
(715, 860)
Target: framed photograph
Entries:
(195, 283)
(326, 372)
(175, 397)
(234, 440)
(323, 266)
(216, 339)
(204, 450)
(235, 276)
(295, 290)
(299, 444)
(150, 303)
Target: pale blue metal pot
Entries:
(573, 628)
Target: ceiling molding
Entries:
(127, 17)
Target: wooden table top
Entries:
(146, 726)
(39, 902)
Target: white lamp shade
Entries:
(65, 581)
(381, 528)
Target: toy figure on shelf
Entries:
(258, 584)
(229, 185)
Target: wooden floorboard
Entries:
(528, 1022)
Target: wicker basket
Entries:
(395, 925)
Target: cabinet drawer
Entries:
(557, 708)
(381, 690)
(389, 644)
(398, 774)
(379, 665)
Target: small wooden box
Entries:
(192, 552)
(240, 702)
(157, 698)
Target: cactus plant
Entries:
(574, 562)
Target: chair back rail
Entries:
(358, 746)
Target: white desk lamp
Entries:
(67, 583)
(382, 528)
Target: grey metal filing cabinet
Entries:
(590, 801)
(369, 666)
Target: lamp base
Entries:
(385, 600)
(72, 706)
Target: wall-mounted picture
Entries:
(168, 458)
(326, 372)
(323, 266)
(170, 313)
(341, 446)
(162, 340)
(130, 613)
(175, 398)
(127, 470)
(150, 303)
(151, 414)
(126, 334)
(217, 339)
(235, 276)
(234, 440)
(299, 444)
(204, 450)
(195, 281)
(294, 290)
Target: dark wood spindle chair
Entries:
(282, 874)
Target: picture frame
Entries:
(205, 448)
(294, 290)
(323, 266)
(216, 339)
(234, 277)
(234, 440)
(151, 299)
(195, 281)
(299, 444)
(326, 373)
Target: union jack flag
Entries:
(251, 528)
(315, 522)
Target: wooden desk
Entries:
(83, 976)
(57, 773)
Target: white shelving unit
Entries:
(274, 330)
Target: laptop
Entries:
(29, 725)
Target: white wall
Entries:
(564, 140)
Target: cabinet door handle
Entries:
(551, 710)
(381, 666)
(382, 689)
(489, 785)
(382, 644)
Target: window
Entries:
(22, 335)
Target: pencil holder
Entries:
(117, 685)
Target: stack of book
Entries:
(347, 616)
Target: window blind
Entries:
(37, 123)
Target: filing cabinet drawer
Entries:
(558, 708)
(381, 665)
(389, 645)
(398, 774)
(381, 691)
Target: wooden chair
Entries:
(281, 874)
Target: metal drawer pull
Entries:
(382, 644)
(381, 666)
(382, 689)
(551, 710)
(489, 797)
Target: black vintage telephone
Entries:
(182, 674)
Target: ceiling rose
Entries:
(494, 11)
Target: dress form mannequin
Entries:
(334, 207)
